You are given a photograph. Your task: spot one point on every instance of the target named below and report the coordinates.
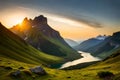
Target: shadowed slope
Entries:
(11, 46)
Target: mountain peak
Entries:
(101, 37)
(25, 20)
(40, 20)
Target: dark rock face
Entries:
(38, 70)
(40, 20)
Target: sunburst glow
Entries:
(15, 19)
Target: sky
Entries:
(74, 19)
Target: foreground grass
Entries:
(89, 73)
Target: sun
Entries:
(13, 19)
(16, 19)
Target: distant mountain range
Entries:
(85, 45)
(71, 42)
(101, 46)
(41, 36)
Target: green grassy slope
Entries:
(13, 47)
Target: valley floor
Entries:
(89, 73)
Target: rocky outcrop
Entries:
(38, 70)
(16, 73)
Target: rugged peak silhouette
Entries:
(40, 20)
(44, 38)
(25, 20)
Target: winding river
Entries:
(87, 57)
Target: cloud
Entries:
(79, 21)
(86, 20)
(93, 24)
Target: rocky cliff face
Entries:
(40, 35)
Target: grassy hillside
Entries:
(13, 47)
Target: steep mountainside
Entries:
(101, 46)
(13, 47)
(72, 43)
(41, 36)
(107, 47)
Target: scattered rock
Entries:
(38, 70)
(16, 73)
(68, 77)
(21, 68)
(8, 68)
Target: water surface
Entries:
(87, 57)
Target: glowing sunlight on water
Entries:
(87, 57)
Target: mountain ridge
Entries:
(41, 36)
(103, 48)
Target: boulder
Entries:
(16, 73)
(38, 70)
